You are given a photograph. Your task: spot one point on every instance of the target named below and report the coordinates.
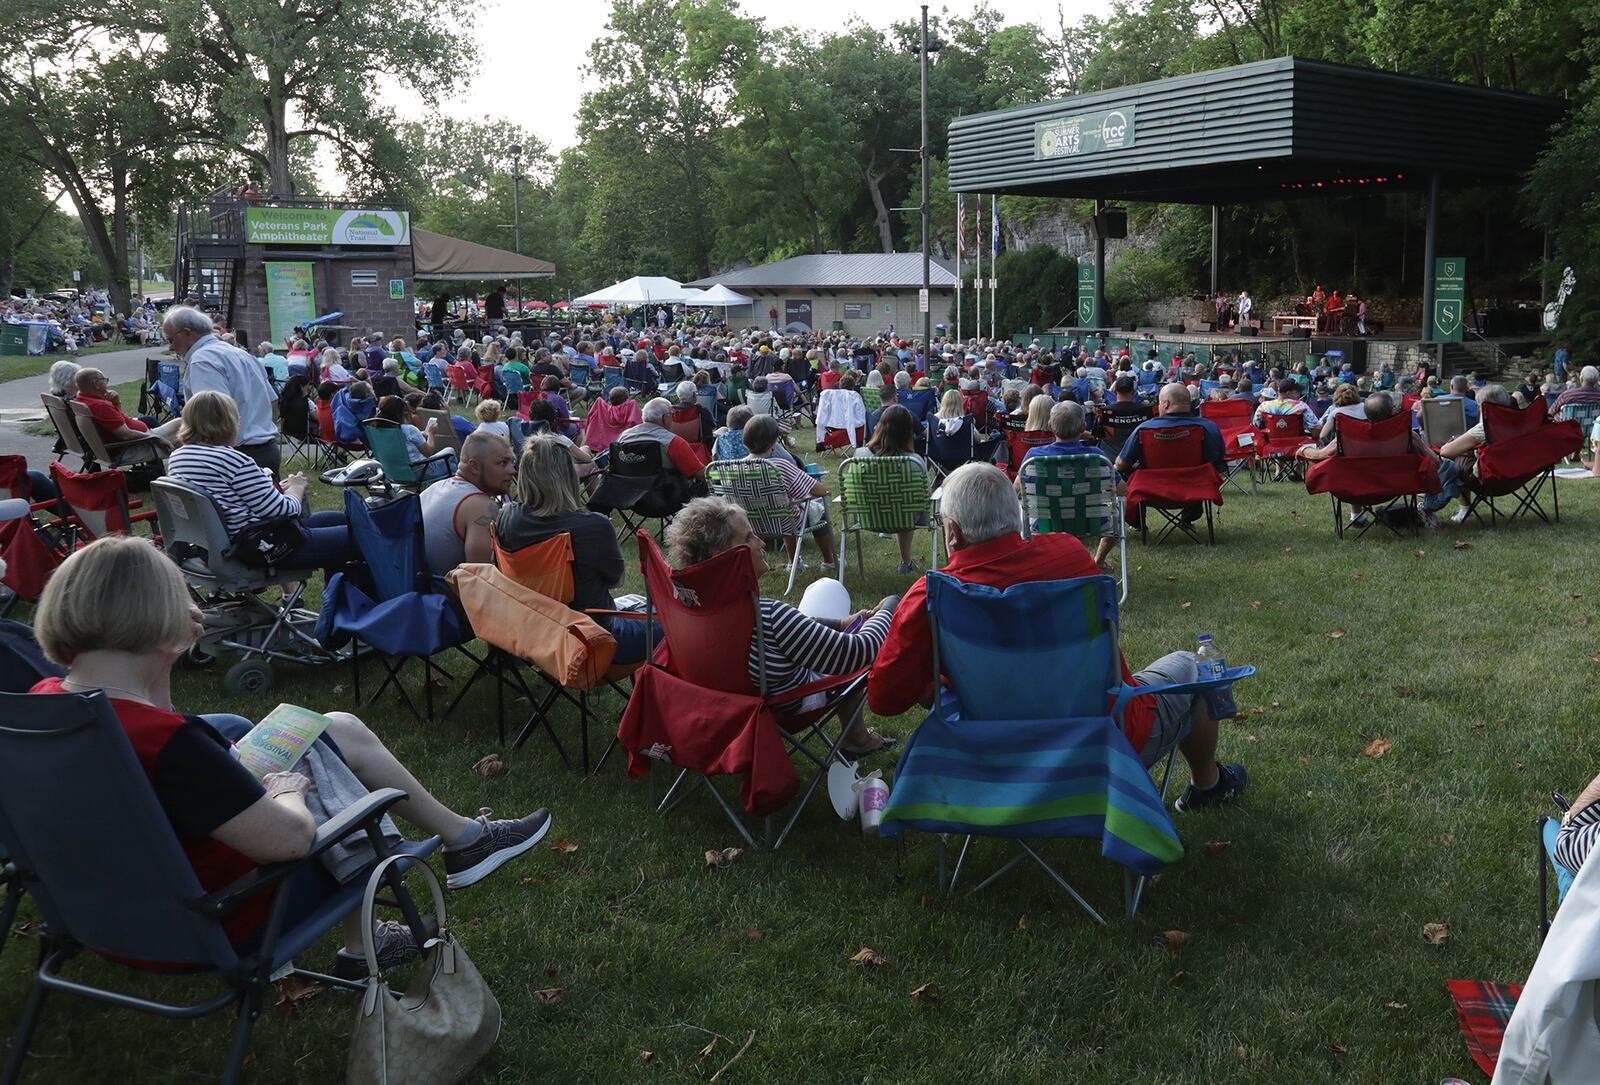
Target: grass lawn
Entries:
(11, 367)
(1468, 649)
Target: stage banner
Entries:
(291, 297)
(325, 226)
(1083, 133)
(1449, 299)
(1086, 295)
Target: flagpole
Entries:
(994, 260)
(961, 223)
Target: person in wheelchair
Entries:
(117, 615)
(243, 491)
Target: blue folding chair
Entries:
(579, 373)
(389, 602)
(433, 373)
(1032, 760)
(89, 841)
(1148, 383)
(1207, 387)
(513, 384)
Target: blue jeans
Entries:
(327, 544)
(1450, 476)
(40, 487)
(629, 633)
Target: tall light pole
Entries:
(516, 211)
(927, 283)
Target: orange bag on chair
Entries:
(566, 645)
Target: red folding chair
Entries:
(1518, 456)
(1375, 469)
(97, 504)
(30, 548)
(461, 384)
(1233, 418)
(1174, 477)
(1018, 443)
(696, 708)
(685, 422)
(1278, 445)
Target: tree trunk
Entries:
(8, 271)
(880, 210)
(117, 281)
(277, 125)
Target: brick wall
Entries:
(365, 308)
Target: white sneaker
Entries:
(1462, 512)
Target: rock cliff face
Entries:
(1064, 232)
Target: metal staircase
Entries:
(210, 253)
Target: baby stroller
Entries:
(243, 616)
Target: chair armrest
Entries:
(358, 816)
(112, 446)
(1229, 677)
(821, 685)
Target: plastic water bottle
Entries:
(1212, 665)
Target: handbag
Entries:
(443, 1025)
(266, 543)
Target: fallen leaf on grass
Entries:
(1171, 577)
(1436, 934)
(1217, 847)
(1595, 658)
(1422, 553)
(724, 857)
(1306, 761)
(868, 956)
(1277, 704)
(1022, 922)
(1255, 604)
(293, 990)
(1357, 576)
(1337, 1049)
(531, 881)
(1577, 595)
(1402, 691)
(752, 935)
(647, 1057)
(551, 996)
(1584, 619)
(1336, 634)
(1174, 940)
(1258, 710)
(489, 766)
(706, 1050)
(1185, 606)
(564, 847)
(928, 992)
(1250, 738)
(1288, 550)
(1377, 748)
(926, 900)
(1542, 591)
(1397, 1005)
(1462, 544)
(1447, 839)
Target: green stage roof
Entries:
(1274, 129)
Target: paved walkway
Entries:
(20, 406)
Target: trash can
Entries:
(13, 340)
(838, 325)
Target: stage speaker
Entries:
(1299, 333)
(1245, 329)
(1113, 223)
(1174, 329)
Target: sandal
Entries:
(875, 743)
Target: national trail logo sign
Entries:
(325, 226)
(1084, 133)
(1449, 300)
(1085, 295)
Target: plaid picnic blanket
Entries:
(1483, 1009)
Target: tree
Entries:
(25, 207)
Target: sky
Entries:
(511, 33)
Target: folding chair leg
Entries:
(31, 1011)
(1062, 882)
(955, 875)
(1123, 546)
(239, 1049)
(1544, 878)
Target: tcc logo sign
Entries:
(1114, 130)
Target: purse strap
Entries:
(369, 920)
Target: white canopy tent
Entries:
(719, 295)
(639, 290)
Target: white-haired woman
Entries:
(117, 615)
(793, 649)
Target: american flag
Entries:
(994, 227)
(961, 225)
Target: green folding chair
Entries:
(886, 494)
(1074, 495)
(757, 487)
(873, 398)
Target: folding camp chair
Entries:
(1518, 457)
(697, 708)
(442, 426)
(685, 422)
(1277, 447)
(757, 487)
(639, 484)
(512, 381)
(462, 385)
(29, 548)
(544, 568)
(1019, 441)
(161, 394)
(1374, 468)
(1030, 761)
(299, 439)
(1174, 477)
(96, 504)
(434, 377)
(1233, 418)
(389, 602)
(241, 614)
(760, 403)
(886, 494)
(872, 398)
(1075, 495)
(93, 848)
(1443, 420)
(1585, 414)
(103, 453)
(949, 451)
(388, 446)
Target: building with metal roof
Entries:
(1275, 129)
(857, 293)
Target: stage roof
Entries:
(449, 258)
(1274, 129)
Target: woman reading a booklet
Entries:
(117, 615)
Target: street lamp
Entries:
(923, 49)
(516, 211)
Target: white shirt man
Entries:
(212, 365)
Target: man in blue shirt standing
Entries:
(1563, 355)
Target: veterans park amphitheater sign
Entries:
(325, 226)
(1084, 133)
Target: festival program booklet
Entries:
(278, 741)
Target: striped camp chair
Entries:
(1035, 760)
(886, 494)
(1076, 495)
(873, 398)
(757, 488)
(1585, 414)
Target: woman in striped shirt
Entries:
(242, 490)
(793, 649)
